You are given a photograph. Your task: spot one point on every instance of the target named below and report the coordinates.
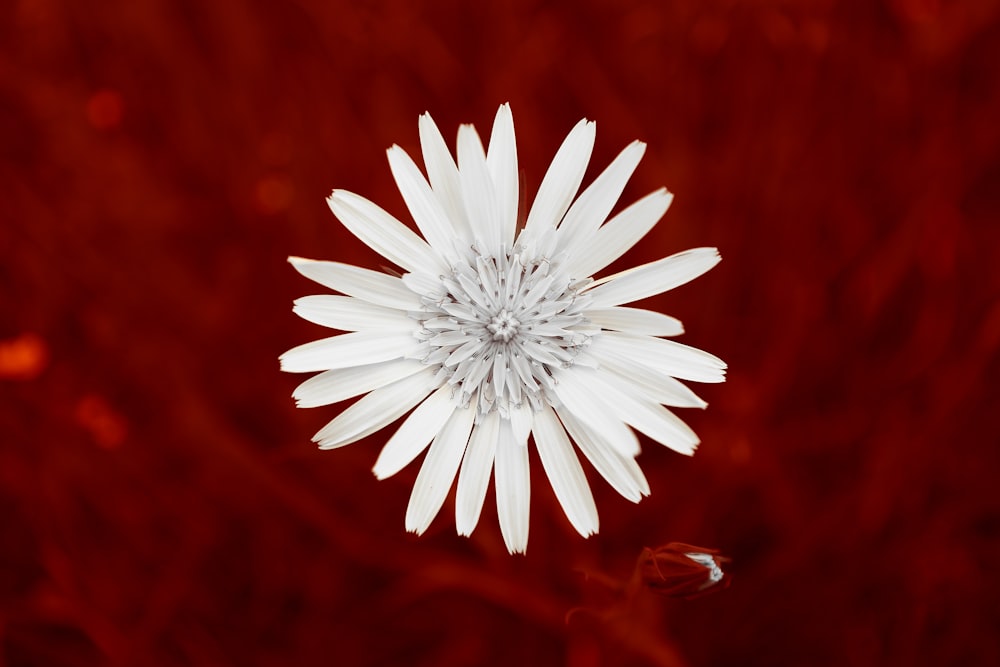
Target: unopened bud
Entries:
(682, 570)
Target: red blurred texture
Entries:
(160, 501)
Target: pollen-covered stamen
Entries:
(497, 326)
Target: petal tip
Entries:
(417, 529)
(295, 260)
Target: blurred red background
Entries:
(160, 500)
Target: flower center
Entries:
(503, 326)
(497, 326)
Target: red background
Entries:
(160, 500)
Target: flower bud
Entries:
(682, 570)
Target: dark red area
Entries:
(160, 501)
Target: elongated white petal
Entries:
(372, 286)
(383, 233)
(562, 179)
(477, 190)
(591, 408)
(635, 321)
(662, 425)
(656, 385)
(653, 278)
(474, 477)
(443, 174)
(619, 234)
(644, 415)
(501, 160)
(424, 206)
(375, 410)
(340, 384)
(426, 285)
(438, 470)
(592, 207)
(513, 486)
(668, 356)
(564, 472)
(415, 433)
(346, 350)
(349, 314)
(521, 417)
(651, 381)
(620, 471)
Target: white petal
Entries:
(376, 410)
(620, 471)
(644, 415)
(438, 470)
(521, 418)
(501, 159)
(590, 407)
(513, 485)
(667, 356)
(663, 426)
(416, 432)
(372, 286)
(426, 285)
(349, 314)
(474, 477)
(562, 179)
(340, 384)
(383, 233)
(655, 385)
(443, 174)
(653, 278)
(650, 381)
(619, 234)
(424, 206)
(564, 472)
(593, 206)
(346, 350)
(477, 190)
(635, 321)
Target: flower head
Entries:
(496, 332)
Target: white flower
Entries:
(495, 331)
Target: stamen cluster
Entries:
(498, 325)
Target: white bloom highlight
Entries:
(494, 333)
(715, 573)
